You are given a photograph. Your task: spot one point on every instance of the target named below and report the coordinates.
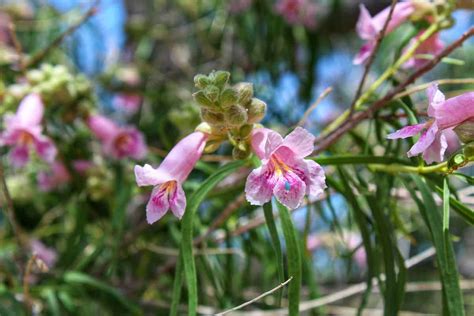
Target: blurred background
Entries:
(134, 61)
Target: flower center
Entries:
(123, 141)
(25, 138)
(280, 169)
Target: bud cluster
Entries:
(229, 111)
(56, 85)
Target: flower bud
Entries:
(212, 145)
(202, 100)
(201, 81)
(212, 92)
(236, 115)
(204, 128)
(239, 153)
(35, 76)
(245, 131)
(465, 131)
(245, 90)
(228, 97)
(221, 78)
(211, 117)
(256, 111)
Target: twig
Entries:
(257, 298)
(358, 117)
(314, 105)
(17, 45)
(372, 58)
(197, 252)
(38, 57)
(26, 285)
(423, 86)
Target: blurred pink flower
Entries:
(437, 133)
(119, 142)
(82, 166)
(168, 178)
(23, 132)
(53, 178)
(298, 12)
(284, 173)
(46, 254)
(127, 102)
(238, 6)
(433, 45)
(369, 27)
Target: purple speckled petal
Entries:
(19, 156)
(259, 185)
(290, 190)
(158, 204)
(177, 200)
(426, 139)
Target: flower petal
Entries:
(19, 156)
(300, 141)
(364, 53)
(45, 148)
(177, 200)
(435, 152)
(181, 160)
(259, 185)
(158, 204)
(455, 111)
(407, 131)
(147, 175)
(365, 27)
(30, 110)
(425, 141)
(435, 99)
(290, 190)
(315, 180)
(103, 128)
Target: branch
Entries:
(314, 105)
(38, 57)
(372, 58)
(358, 117)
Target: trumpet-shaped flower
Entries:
(284, 171)
(48, 255)
(437, 133)
(168, 178)
(23, 132)
(369, 27)
(119, 142)
(51, 179)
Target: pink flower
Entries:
(55, 177)
(127, 102)
(46, 254)
(168, 178)
(298, 12)
(82, 166)
(239, 6)
(437, 133)
(284, 173)
(23, 132)
(119, 142)
(433, 45)
(369, 27)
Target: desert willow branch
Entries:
(358, 117)
(423, 86)
(256, 299)
(38, 57)
(371, 59)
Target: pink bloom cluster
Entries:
(23, 132)
(48, 255)
(128, 102)
(168, 178)
(118, 142)
(238, 6)
(437, 133)
(298, 12)
(55, 177)
(284, 171)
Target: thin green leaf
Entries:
(358, 160)
(267, 210)
(445, 205)
(462, 210)
(293, 258)
(177, 283)
(186, 251)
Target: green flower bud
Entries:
(212, 92)
(228, 97)
(465, 131)
(202, 100)
(221, 78)
(245, 90)
(35, 76)
(211, 117)
(239, 153)
(204, 128)
(212, 146)
(236, 115)
(201, 81)
(245, 131)
(256, 111)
